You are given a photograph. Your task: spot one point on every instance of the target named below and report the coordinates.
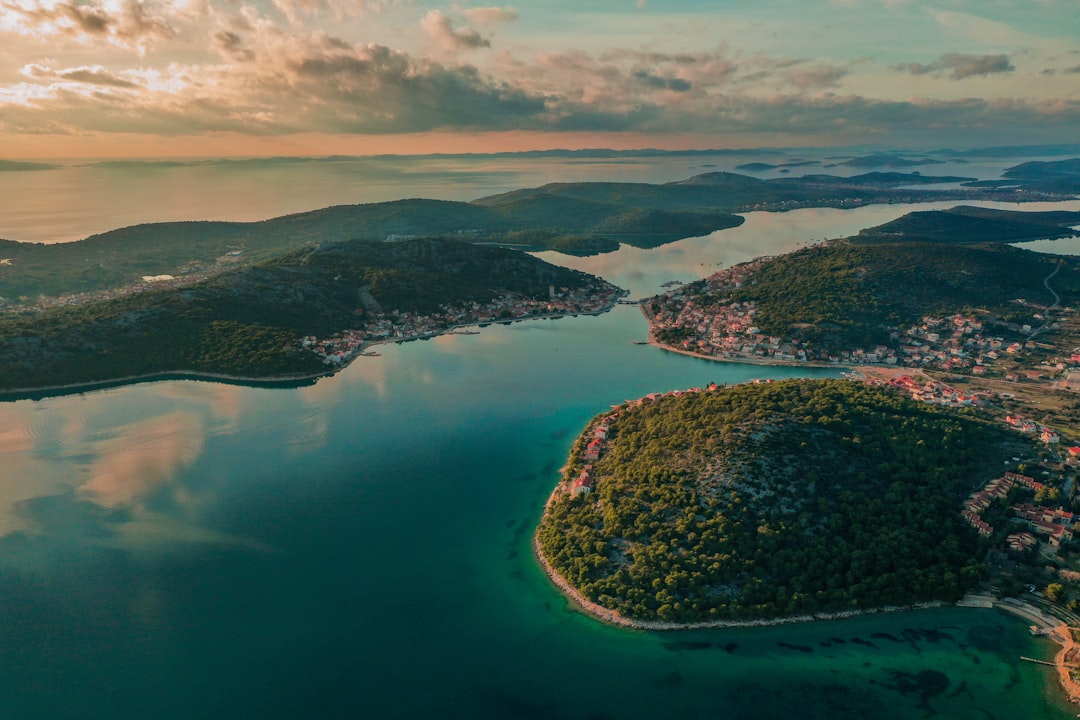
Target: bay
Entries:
(360, 547)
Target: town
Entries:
(397, 326)
(976, 343)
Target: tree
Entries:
(1055, 592)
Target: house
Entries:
(1018, 542)
(1024, 480)
(592, 451)
(584, 483)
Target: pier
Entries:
(1038, 662)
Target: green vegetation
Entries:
(842, 295)
(247, 322)
(1055, 592)
(757, 501)
(966, 224)
(122, 257)
(577, 218)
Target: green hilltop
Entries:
(247, 322)
(766, 500)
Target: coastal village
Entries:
(975, 344)
(395, 326)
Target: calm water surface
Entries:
(360, 548)
(77, 200)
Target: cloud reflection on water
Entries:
(141, 457)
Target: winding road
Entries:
(1057, 301)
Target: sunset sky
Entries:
(120, 78)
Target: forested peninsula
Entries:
(769, 500)
(300, 315)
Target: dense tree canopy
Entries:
(248, 322)
(775, 499)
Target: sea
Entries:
(360, 547)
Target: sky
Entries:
(210, 78)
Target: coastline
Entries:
(1045, 625)
(741, 359)
(1052, 628)
(271, 381)
(613, 618)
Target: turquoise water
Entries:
(360, 548)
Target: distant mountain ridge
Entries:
(575, 218)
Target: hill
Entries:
(574, 218)
(966, 224)
(766, 500)
(122, 257)
(249, 322)
(842, 295)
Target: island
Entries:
(582, 218)
(769, 501)
(298, 316)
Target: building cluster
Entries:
(1048, 435)
(954, 343)
(1055, 524)
(933, 392)
(727, 329)
(397, 325)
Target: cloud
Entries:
(298, 11)
(816, 76)
(263, 79)
(488, 16)
(123, 23)
(960, 66)
(90, 75)
(231, 45)
(1072, 70)
(440, 28)
(661, 82)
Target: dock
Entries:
(1038, 662)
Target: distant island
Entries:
(304, 314)
(575, 218)
(766, 501)
(17, 166)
